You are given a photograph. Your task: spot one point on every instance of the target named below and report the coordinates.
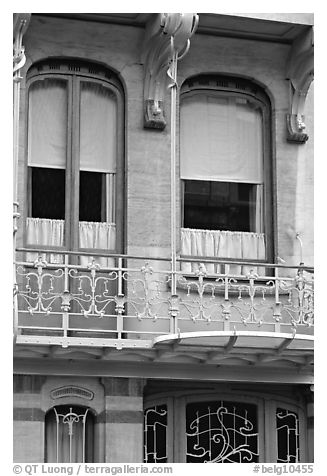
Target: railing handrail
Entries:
(180, 258)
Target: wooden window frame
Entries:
(74, 72)
(233, 86)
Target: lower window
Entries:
(69, 435)
(223, 430)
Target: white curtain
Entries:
(221, 244)
(92, 235)
(96, 235)
(48, 233)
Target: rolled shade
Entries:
(98, 120)
(220, 139)
(47, 123)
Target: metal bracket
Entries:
(157, 55)
(21, 21)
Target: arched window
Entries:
(75, 157)
(225, 169)
(69, 435)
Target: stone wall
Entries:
(147, 152)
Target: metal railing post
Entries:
(120, 300)
(173, 94)
(21, 21)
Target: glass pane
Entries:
(221, 206)
(287, 436)
(98, 123)
(47, 193)
(155, 434)
(47, 123)
(221, 432)
(92, 195)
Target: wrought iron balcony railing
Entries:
(131, 301)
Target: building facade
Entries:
(163, 238)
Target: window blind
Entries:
(47, 124)
(98, 119)
(220, 139)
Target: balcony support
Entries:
(157, 54)
(164, 371)
(299, 72)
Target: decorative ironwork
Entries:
(300, 301)
(39, 289)
(288, 446)
(95, 291)
(132, 290)
(68, 434)
(155, 434)
(223, 432)
(147, 293)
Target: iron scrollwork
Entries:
(221, 432)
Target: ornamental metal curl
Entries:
(288, 436)
(221, 433)
(155, 434)
(147, 294)
(72, 420)
(157, 54)
(94, 291)
(39, 290)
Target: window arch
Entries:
(69, 434)
(225, 167)
(75, 186)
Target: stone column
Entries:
(123, 419)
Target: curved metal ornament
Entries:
(157, 55)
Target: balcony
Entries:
(153, 305)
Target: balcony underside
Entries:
(224, 355)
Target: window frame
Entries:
(233, 86)
(74, 72)
(266, 417)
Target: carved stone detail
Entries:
(300, 67)
(72, 391)
(166, 34)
